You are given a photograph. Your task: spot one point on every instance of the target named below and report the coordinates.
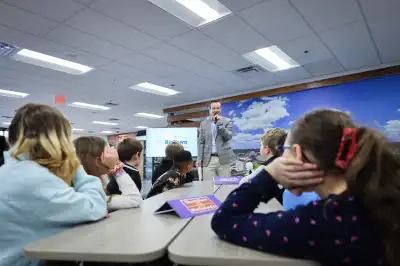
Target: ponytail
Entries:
(374, 177)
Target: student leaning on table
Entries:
(98, 159)
(357, 222)
(45, 190)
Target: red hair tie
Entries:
(348, 134)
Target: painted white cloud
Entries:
(392, 128)
(232, 113)
(246, 139)
(262, 115)
(241, 103)
(290, 123)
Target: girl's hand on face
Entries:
(294, 174)
(109, 158)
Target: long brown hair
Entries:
(373, 175)
(89, 150)
(44, 135)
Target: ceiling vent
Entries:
(113, 119)
(115, 128)
(110, 104)
(90, 132)
(248, 71)
(7, 50)
(7, 117)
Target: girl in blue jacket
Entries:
(45, 190)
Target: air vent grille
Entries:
(113, 119)
(248, 71)
(7, 50)
(90, 132)
(7, 117)
(115, 128)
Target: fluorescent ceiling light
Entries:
(77, 129)
(194, 12)
(141, 127)
(271, 58)
(89, 106)
(51, 62)
(146, 115)
(155, 89)
(13, 94)
(106, 132)
(7, 123)
(105, 123)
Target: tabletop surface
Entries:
(210, 250)
(131, 235)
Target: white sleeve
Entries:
(130, 195)
(251, 176)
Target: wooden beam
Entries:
(175, 118)
(299, 87)
(189, 124)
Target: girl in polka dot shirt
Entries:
(357, 220)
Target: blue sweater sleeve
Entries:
(62, 204)
(294, 233)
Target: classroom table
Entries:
(130, 235)
(210, 250)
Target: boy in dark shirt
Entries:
(176, 176)
(129, 152)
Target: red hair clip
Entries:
(343, 160)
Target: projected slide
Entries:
(158, 138)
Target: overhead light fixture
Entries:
(154, 89)
(105, 123)
(141, 127)
(271, 58)
(89, 106)
(77, 129)
(106, 132)
(194, 12)
(146, 115)
(6, 123)
(51, 62)
(13, 94)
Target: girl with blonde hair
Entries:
(47, 190)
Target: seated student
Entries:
(91, 151)
(129, 152)
(170, 151)
(176, 176)
(3, 148)
(47, 190)
(358, 179)
(271, 144)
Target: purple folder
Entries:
(227, 180)
(190, 207)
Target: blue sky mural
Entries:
(373, 102)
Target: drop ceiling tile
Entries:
(238, 5)
(54, 10)
(128, 71)
(387, 36)
(85, 2)
(277, 20)
(231, 31)
(352, 45)
(381, 8)
(68, 36)
(324, 67)
(111, 30)
(263, 78)
(296, 49)
(12, 16)
(206, 48)
(293, 75)
(144, 16)
(326, 14)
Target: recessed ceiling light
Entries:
(51, 62)
(106, 132)
(141, 127)
(194, 12)
(77, 129)
(146, 115)
(271, 58)
(13, 94)
(89, 106)
(6, 123)
(105, 123)
(154, 89)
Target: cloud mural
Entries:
(373, 102)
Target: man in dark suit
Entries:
(215, 153)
